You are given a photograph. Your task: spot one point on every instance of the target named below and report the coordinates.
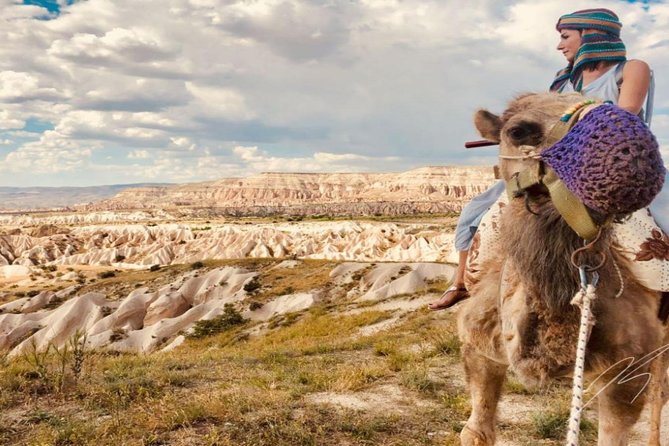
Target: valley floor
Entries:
(342, 372)
(291, 352)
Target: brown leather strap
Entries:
(573, 211)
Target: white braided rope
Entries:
(528, 153)
(620, 280)
(584, 300)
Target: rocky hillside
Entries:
(129, 246)
(148, 316)
(427, 189)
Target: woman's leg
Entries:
(469, 220)
(457, 290)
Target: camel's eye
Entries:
(525, 133)
(518, 132)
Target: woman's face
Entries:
(570, 42)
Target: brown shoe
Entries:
(451, 296)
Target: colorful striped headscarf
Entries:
(600, 40)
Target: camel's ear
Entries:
(488, 125)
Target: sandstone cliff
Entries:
(427, 189)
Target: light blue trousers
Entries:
(473, 212)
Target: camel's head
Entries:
(609, 159)
(526, 122)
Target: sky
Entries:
(123, 91)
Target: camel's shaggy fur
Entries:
(520, 316)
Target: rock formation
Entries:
(128, 245)
(146, 320)
(427, 189)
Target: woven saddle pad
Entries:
(639, 239)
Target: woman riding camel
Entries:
(597, 67)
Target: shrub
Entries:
(119, 258)
(197, 265)
(253, 306)
(252, 285)
(106, 311)
(117, 335)
(154, 268)
(106, 274)
(229, 319)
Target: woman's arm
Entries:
(636, 79)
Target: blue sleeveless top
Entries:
(607, 88)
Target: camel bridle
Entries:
(525, 182)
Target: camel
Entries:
(519, 316)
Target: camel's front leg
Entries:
(619, 410)
(485, 378)
(658, 395)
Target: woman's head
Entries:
(588, 27)
(570, 43)
(588, 37)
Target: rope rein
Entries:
(620, 280)
(583, 299)
(529, 153)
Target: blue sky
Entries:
(205, 89)
(53, 7)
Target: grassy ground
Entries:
(312, 379)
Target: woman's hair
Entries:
(600, 41)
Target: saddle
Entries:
(638, 238)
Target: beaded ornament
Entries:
(574, 108)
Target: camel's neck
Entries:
(541, 247)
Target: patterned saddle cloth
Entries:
(639, 239)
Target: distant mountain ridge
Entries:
(423, 190)
(426, 189)
(26, 198)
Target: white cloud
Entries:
(13, 84)
(52, 154)
(180, 141)
(16, 87)
(10, 121)
(138, 154)
(6, 142)
(343, 157)
(224, 102)
(181, 90)
(134, 45)
(256, 160)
